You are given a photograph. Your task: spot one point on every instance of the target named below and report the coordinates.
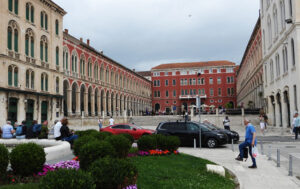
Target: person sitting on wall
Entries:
(29, 131)
(21, 131)
(7, 130)
(36, 129)
(44, 131)
(66, 135)
(56, 130)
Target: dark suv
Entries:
(231, 135)
(188, 131)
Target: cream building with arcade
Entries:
(280, 25)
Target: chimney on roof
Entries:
(66, 31)
(88, 42)
(81, 39)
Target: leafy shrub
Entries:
(104, 135)
(161, 142)
(146, 143)
(94, 150)
(173, 143)
(113, 173)
(121, 145)
(85, 132)
(80, 142)
(4, 160)
(129, 137)
(67, 178)
(27, 159)
(44, 132)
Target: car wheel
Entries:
(211, 143)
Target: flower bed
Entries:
(72, 164)
(156, 152)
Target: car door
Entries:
(179, 129)
(192, 133)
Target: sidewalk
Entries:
(266, 176)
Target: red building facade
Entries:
(176, 86)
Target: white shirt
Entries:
(111, 121)
(57, 129)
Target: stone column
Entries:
(93, 104)
(86, 111)
(99, 105)
(119, 107)
(21, 109)
(69, 101)
(271, 111)
(192, 112)
(109, 105)
(284, 112)
(78, 100)
(277, 113)
(104, 105)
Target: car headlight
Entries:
(220, 135)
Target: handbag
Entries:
(254, 152)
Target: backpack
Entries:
(19, 130)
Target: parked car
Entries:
(231, 135)
(188, 131)
(135, 131)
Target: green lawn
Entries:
(23, 186)
(177, 171)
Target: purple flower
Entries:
(131, 187)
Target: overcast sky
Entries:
(141, 34)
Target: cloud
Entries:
(144, 33)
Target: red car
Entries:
(133, 130)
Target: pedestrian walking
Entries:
(297, 125)
(250, 142)
(100, 123)
(262, 124)
(293, 123)
(226, 123)
(111, 121)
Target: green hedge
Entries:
(121, 145)
(67, 178)
(113, 173)
(151, 142)
(94, 150)
(27, 159)
(129, 137)
(4, 160)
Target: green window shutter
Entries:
(27, 11)
(42, 51)
(9, 76)
(16, 41)
(27, 46)
(32, 80)
(46, 83)
(67, 61)
(42, 83)
(76, 64)
(64, 54)
(56, 27)
(16, 79)
(9, 38)
(16, 6)
(32, 14)
(46, 53)
(10, 5)
(46, 21)
(57, 56)
(72, 60)
(27, 79)
(42, 19)
(32, 47)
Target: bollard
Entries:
(278, 158)
(232, 147)
(269, 155)
(200, 138)
(262, 148)
(290, 165)
(194, 143)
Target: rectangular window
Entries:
(219, 80)
(210, 70)
(194, 81)
(219, 92)
(232, 91)
(167, 82)
(32, 48)
(167, 93)
(42, 52)
(158, 93)
(10, 5)
(229, 70)
(199, 91)
(155, 94)
(42, 19)
(186, 92)
(228, 79)
(182, 92)
(174, 82)
(46, 22)
(203, 91)
(211, 92)
(185, 82)
(10, 77)
(232, 79)
(16, 41)
(191, 91)
(174, 93)
(295, 97)
(228, 91)
(16, 6)
(32, 15)
(190, 82)
(219, 70)
(211, 81)
(166, 73)
(27, 46)
(46, 53)
(181, 82)
(194, 92)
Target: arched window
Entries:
(66, 58)
(44, 82)
(275, 18)
(293, 52)
(57, 85)
(96, 71)
(13, 6)
(44, 49)
(29, 43)
(29, 79)
(102, 73)
(44, 20)
(285, 59)
(269, 31)
(57, 56)
(56, 27)
(112, 77)
(264, 41)
(82, 65)
(90, 69)
(277, 61)
(16, 73)
(282, 13)
(29, 12)
(272, 70)
(107, 74)
(74, 62)
(10, 77)
(13, 36)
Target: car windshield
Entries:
(205, 127)
(137, 127)
(212, 127)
